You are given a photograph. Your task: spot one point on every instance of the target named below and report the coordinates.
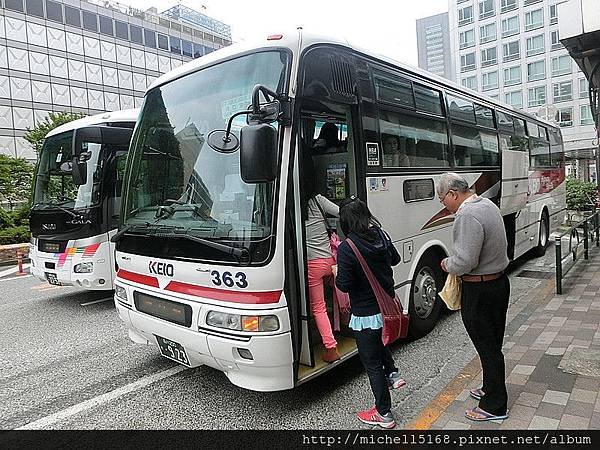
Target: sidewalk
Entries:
(552, 354)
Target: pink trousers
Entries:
(317, 270)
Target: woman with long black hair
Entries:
(375, 246)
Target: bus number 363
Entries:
(228, 279)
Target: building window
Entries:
(561, 65)
(555, 40)
(175, 45)
(35, 8)
(106, 26)
(536, 70)
(535, 45)
(489, 57)
(553, 14)
(564, 117)
(510, 26)
(467, 39)
(465, 15)
(90, 21)
(54, 11)
(467, 62)
(14, 5)
(515, 99)
(534, 19)
(586, 115)
(163, 42)
(135, 34)
(186, 48)
(150, 38)
(530, 2)
(584, 88)
(489, 80)
(486, 9)
(563, 91)
(470, 82)
(197, 50)
(72, 16)
(511, 51)
(487, 33)
(512, 76)
(537, 96)
(121, 30)
(507, 5)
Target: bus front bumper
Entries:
(271, 368)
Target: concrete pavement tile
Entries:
(579, 409)
(464, 395)
(583, 343)
(557, 321)
(454, 425)
(515, 378)
(514, 424)
(587, 383)
(536, 387)
(520, 412)
(563, 338)
(550, 410)
(595, 421)
(543, 423)
(529, 399)
(583, 395)
(556, 351)
(568, 422)
(523, 369)
(556, 397)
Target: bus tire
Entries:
(425, 304)
(540, 250)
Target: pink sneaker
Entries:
(372, 417)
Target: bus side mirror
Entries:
(258, 153)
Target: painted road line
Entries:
(13, 270)
(46, 422)
(20, 277)
(97, 301)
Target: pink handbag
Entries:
(395, 320)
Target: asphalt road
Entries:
(67, 363)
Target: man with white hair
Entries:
(480, 258)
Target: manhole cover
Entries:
(538, 274)
(582, 361)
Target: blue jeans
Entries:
(378, 362)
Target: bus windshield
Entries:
(54, 186)
(175, 180)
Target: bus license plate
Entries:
(52, 278)
(172, 350)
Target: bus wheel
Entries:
(425, 305)
(540, 250)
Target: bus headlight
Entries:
(242, 323)
(121, 293)
(85, 267)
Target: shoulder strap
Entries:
(327, 226)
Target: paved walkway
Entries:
(552, 353)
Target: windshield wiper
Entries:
(241, 254)
(52, 205)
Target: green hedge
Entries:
(14, 235)
(581, 195)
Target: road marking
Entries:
(13, 270)
(47, 421)
(20, 277)
(97, 301)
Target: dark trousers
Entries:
(378, 362)
(483, 310)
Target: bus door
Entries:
(327, 140)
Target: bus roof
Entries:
(125, 115)
(299, 40)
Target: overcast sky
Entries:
(384, 26)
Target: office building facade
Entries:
(510, 50)
(79, 56)
(433, 45)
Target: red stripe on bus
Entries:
(138, 278)
(252, 298)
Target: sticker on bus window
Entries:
(372, 154)
(384, 184)
(373, 184)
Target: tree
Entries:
(35, 136)
(16, 175)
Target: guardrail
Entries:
(589, 226)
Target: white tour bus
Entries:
(77, 199)
(210, 253)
